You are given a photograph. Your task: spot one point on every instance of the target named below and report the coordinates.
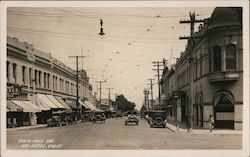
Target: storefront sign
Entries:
(13, 90)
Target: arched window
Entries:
(231, 57)
(217, 58)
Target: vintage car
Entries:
(60, 118)
(131, 118)
(156, 118)
(88, 116)
(56, 121)
(99, 116)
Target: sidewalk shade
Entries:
(62, 102)
(26, 107)
(91, 106)
(44, 107)
(45, 101)
(83, 104)
(11, 107)
(56, 102)
(29, 103)
(72, 104)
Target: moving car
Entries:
(156, 118)
(131, 118)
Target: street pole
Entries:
(146, 98)
(109, 95)
(158, 65)
(101, 90)
(151, 90)
(77, 84)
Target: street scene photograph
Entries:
(124, 78)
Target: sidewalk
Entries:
(202, 131)
(27, 127)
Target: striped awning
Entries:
(11, 107)
(26, 106)
(62, 102)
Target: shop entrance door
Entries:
(224, 112)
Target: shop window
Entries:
(231, 57)
(217, 58)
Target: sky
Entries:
(134, 38)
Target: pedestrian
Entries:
(211, 123)
(103, 117)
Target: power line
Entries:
(83, 34)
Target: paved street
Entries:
(115, 135)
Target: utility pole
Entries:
(158, 65)
(190, 38)
(146, 92)
(151, 91)
(109, 95)
(77, 82)
(100, 90)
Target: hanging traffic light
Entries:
(101, 29)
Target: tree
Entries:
(123, 104)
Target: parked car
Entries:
(60, 118)
(56, 121)
(156, 118)
(99, 116)
(88, 116)
(131, 118)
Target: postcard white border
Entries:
(123, 153)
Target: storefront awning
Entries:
(83, 104)
(27, 107)
(45, 101)
(90, 105)
(62, 102)
(32, 105)
(71, 103)
(11, 107)
(55, 101)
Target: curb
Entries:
(25, 128)
(171, 129)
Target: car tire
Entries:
(151, 122)
(158, 121)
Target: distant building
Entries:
(41, 80)
(208, 76)
(106, 104)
